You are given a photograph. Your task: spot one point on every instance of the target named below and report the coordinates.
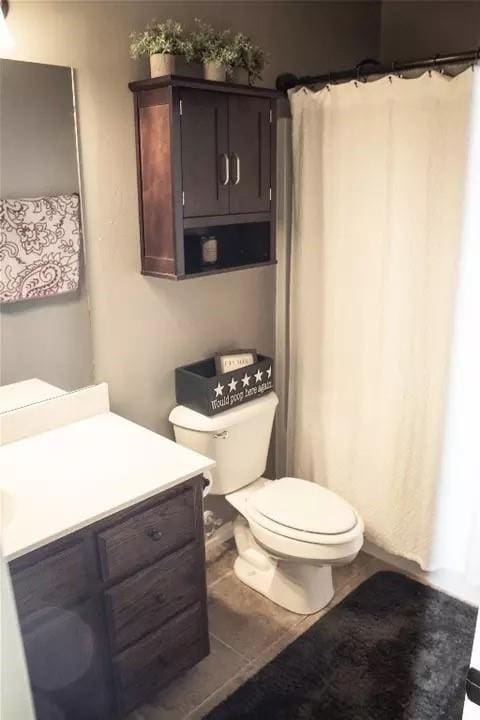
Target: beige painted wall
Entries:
(423, 29)
(143, 328)
(47, 338)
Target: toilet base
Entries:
(300, 587)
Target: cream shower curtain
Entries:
(379, 186)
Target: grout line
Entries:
(219, 579)
(220, 687)
(239, 654)
(251, 667)
(280, 641)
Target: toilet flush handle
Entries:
(223, 435)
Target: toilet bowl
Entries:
(289, 532)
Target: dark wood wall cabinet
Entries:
(206, 166)
(113, 612)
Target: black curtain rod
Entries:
(367, 68)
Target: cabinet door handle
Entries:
(236, 161)
(154, 534)
(226, 169)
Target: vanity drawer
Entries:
(146, 600)
(147, 536)
(158, 658)
(57, 580)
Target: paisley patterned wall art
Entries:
(39, 247)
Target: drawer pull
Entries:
(155, 534)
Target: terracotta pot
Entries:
(163, 64)
(214, 71)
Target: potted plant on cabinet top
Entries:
(245, 57)
(163, 42)
(212, 48)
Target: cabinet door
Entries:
(204, 131)
(64, 651)
(250, 154)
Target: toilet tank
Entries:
(237, 439)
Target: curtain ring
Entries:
(435, 62)
(477, 58)
(392, 71)
(358, 77)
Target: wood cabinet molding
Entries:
(205, 162)
(199, 83)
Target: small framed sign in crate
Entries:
(199, 387)
(229, 361)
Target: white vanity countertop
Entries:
(23, 393)
(59, 481)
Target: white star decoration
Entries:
(269, 372)
(246, 380)
(258, 375)
(233, 384)
(219, 389)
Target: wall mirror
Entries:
(45, 332)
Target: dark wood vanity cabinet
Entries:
(113, 612)
(206, 166)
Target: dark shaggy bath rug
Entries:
(392, 650)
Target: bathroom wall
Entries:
(143, 327)
(48, 338)
(423, 29)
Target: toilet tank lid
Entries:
(185, 417)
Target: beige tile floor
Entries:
(246, 632)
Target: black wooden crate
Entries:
(197, 386)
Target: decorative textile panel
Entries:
(39, 247)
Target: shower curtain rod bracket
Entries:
(368, 67)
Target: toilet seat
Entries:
(287, 542)
(302, 536)
(341, 551)
(303, 511)
(291, 504)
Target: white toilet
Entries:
(289, 532)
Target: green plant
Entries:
(204, 44)
(160, 37)
(234, 51)
(209, 45)
(247, 56)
